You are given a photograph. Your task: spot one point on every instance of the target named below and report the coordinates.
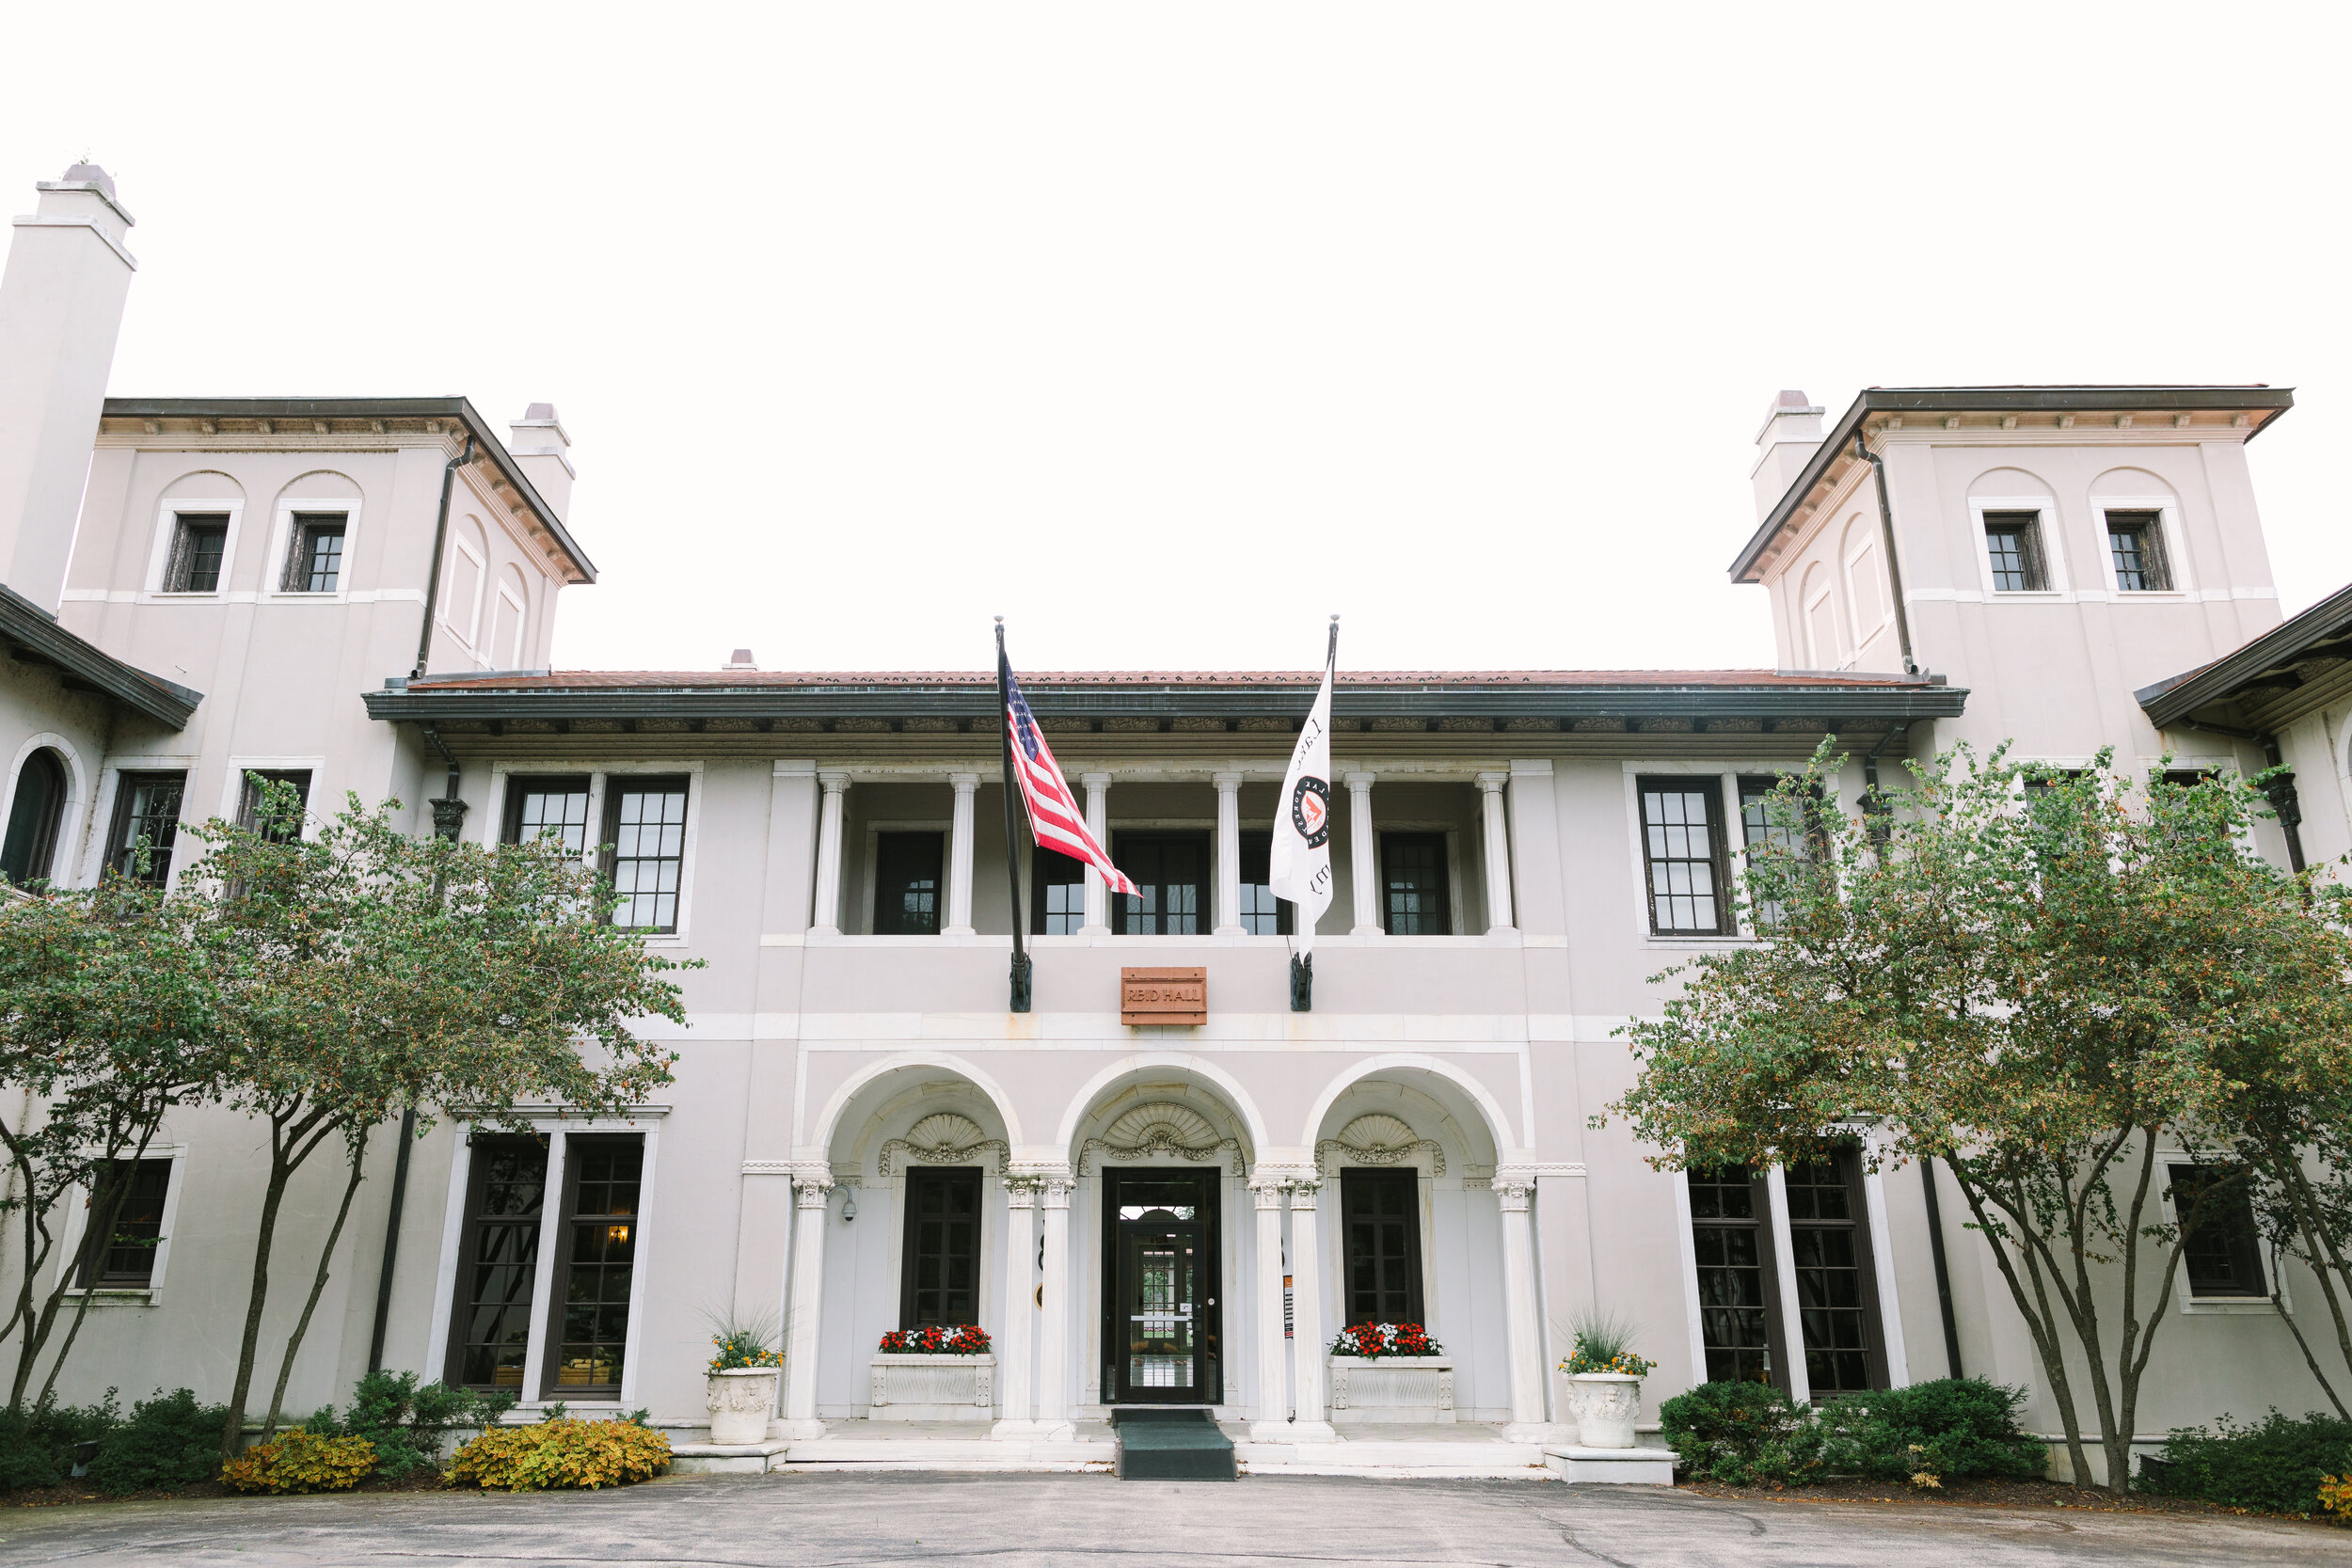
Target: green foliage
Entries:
(37, 1441)
(1742, 1434)
(406, 1422)
(169, 1441)
(1952, 1429)
(2275, 1465)
(300, 1461)
(561, 1455)
(1604, 1344)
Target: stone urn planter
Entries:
(1605, 1404)
(1391, 1388)
(933, 1387)
(741, 1399)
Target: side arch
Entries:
(1497, 1121)
(1092, 1090)
(829, 1120)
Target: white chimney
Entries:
(742, 660)
(541, 450)
(60, 311)
(1791, 436)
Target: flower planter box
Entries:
(741, 1400)
(1605, 1404)
(1397, 1389)
(933, 1387)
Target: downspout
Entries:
(441, 542)
(2284, 800)
(1894, 566)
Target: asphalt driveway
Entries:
(857, 1519)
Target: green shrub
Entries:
(1742, 1434)
(36, 1444)
(405, 1421)
(560, 1453)
(169, 1440)
(1950, 1429)
(300, 1460)
(2275, 1467)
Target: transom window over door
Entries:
(1683, 845)
(1416, 895)
(940, 1276)
(644, 822)
(1172, 871)
(907, 883)
(1380, 1218)
(536, 806)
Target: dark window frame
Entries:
(1756, 828)
(1361, 1188)
(2226, 1238)
(1391, 841)
(249, 801)
(616, 787)
(2151, 560)
(569, 1222)
(1854, 1228)
(187, 562)
(305, 532)
(2031, 566)
(1709, 787)
(1705, 1187)
(1129, 849)
(463, 1303)
(119, 837)
(28, 851)
(897, 851)
(1051, 868)
(520, 787)
(944, 1179)
(1257, 856)
(137, 1238)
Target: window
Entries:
(1380, 1222)
(2136, 545)
(126, 1259)
(549, 805)
(1683, 847)
(1759, 832)
(1416, 898)
(146, 825)
(498, 1263)
(1171, 869)
(940, 1277)
(1261, 915)
(1836, 1294)
(33, 817)
(2013, 541)
(1057, 894)
(1736, 1287)
(314, 553)
(644, 822)
(2224, 1253)
(906, 886)
(199, 541)
(599, 1264)
(252, 800)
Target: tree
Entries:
(374, 972)
(2036, 978)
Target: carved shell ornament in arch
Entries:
(1162, 1127)
(1379, 1140)
(943, 1138)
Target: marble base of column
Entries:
(1533, 1432)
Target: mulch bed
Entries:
(1975, 1494)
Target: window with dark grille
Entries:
(1057, 894)
(558, 805)
(1762, 834)
(1416, 897)
(1172, 872)
(2223, 1257)
(2135, 543)
(1261, 915)
(644, 822)
(146, 825)
(1837, 1296)
(199, 541)
(31, 844)
(907, 883)
(599, 1264)
(1682, 844)
(125, 1258)
(939, 1276)
(314, 553)
(279, 820)
(2013, 540)
(1736, 1287)
(1380, 1229)
(498, 1263)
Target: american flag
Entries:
(1055, 819)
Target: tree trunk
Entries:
(106, 1212)
(280, 1172)
(318, 1286)
(2041, 1318)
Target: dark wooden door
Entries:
(1162, 1324)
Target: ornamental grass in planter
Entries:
(740, 1391)
(1605, 1383)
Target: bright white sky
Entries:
(1165, 331)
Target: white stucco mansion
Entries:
(360, 594)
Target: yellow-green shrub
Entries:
(560, 1453)
(297, 1461)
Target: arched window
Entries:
(32, 839)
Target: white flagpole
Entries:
(1299, 863)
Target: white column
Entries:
(1012, 1338)
(959, 857)
(1519, 1312)
(1098, 823)
(1307, 1319)
(1274, 1382)
(1497, 865)
(1228, 854)
(827, 921)
(1363, 855)
(1053, 1349)
(811, 1186)
(552, 1243)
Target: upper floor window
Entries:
(2012, 540)
(1416, 899)
(1759, 830)
(2223, 1257)
(314, 553)
(33, 817)
(125, 1257)
(1261, 915)
(907, 883)
(146, 825)
(644, 822)
(1171, 870)
(2136, 545)
(1057, 905)
(253, 803)
(199, 540)
(1682, 846)
(536, 806)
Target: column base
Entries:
(1533, 1432)
(1295, 1432)
(959, 931)
(1025, 1429)
(805, 1430)
(1366, 931)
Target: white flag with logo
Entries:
(1300, 862)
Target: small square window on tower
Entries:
(199, 540)
(2136, 545)
(314, 553)
(2012, 541)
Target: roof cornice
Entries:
(35, 635)
(2172, 702)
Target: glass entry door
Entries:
(1161, 1328)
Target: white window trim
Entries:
(1332, 1237)
(281, 541)
(102, 810)
(1726, 777)
(2168, 513)
(159, 554)
(873, 877)
(2052, 539)
(460, 547)
(233, 785)
(78, 1219)
(494, 821)
(2185, 1300)
(73, 813)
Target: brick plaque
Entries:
(1164, 996)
